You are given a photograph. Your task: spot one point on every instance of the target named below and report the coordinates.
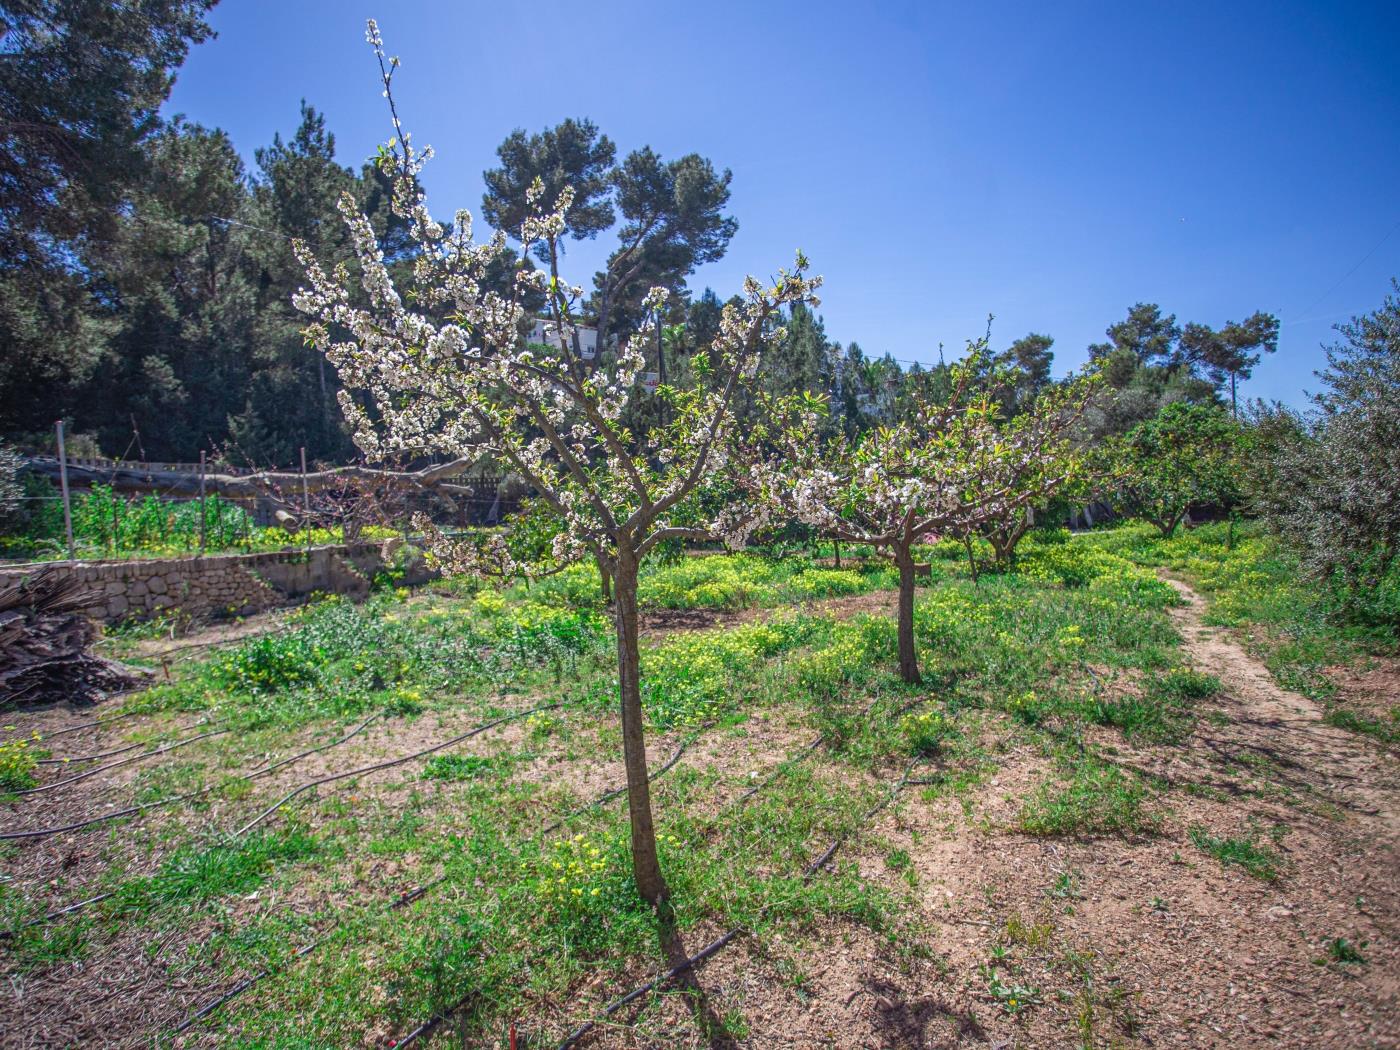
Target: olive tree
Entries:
(1329, 481)
(443, 371)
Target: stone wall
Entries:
(221, 585)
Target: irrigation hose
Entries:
(431, 1025)
(88, 758)
(405, 899)
(724, 939)
(122, 762)
(133, 810)
(388, 764)
(89, 725)
(253, 775)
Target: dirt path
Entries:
(1288, 728)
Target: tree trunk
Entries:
(971, 557)
(836, 547)
(908, 656)
(646, 868)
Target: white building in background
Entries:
(544, 331)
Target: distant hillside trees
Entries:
(81, 85)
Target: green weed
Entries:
(1258, 860)
(1094, 798)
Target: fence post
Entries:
(305, 500)
(203, 512)
(63, 479)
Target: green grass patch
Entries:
(1259, 860)
(1091, 798)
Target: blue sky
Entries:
(1047, 163)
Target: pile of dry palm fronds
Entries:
(45, 643)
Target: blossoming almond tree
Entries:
(946, 469)
(446, 373)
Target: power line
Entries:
(1313, 305)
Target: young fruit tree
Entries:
(443, 370)
(950, 468)
(1186, 455)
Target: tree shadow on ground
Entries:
(921, 1023)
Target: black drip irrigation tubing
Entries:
(253, 775)
(387, 764)
(433, 1023)
(88, 725)
(122, 762)
(607, 796)
(88, 758)
(109, 754)
(787, 764)
(405, 899)
(34, 833)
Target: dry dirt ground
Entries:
(1138, 942)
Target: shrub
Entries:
(17, 765)
(269, 664)
(1330, 484)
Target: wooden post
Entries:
(203, 512)
(63, 480)
(305, 500)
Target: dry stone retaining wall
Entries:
(221, 585)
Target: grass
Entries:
(1245, 852)
(1088, 796)
(458, 767)
(1049, 661)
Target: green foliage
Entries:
(18, 761)
(338, 659)
(744, 580)
(1255, 582)
(456, 767)
(1094, 797)
(1161, 712)
(1341, 950)
(1247, 852)
(924, 731)
(1330, 484)
(107, 525)
(269, 664)
(691, 678)
(1187, 454)
(82, 85)
(201, 873)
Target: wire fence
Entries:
(105, 508)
